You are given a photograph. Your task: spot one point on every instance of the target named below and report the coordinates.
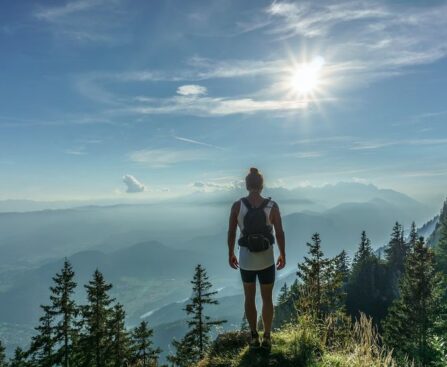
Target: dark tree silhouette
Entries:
(2, 355)
(441, 244)
(119, 352)
(95, 321)
(366, 288)
(195, 343)
(19, 359)
(413, 317)
(42, 344)
(65, 311)
(143, 351)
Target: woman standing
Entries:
(256, 218)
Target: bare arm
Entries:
(280, 237)
(232, 227)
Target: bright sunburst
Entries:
(305, 78)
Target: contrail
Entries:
(192, 141)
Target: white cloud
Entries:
(159, 158)
(217, 185)
(361, 41)
(377, 37)
(133, 185)
(207, 106)
(191, 90)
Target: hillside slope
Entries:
(304, 345)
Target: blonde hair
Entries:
(254, 180)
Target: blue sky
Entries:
(144, 99)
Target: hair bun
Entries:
(254, 171)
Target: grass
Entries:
(334, 343)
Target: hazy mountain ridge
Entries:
(148, 275)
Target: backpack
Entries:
(257, 235)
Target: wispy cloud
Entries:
(304, 155)
(208, 106)
(363, 41)
(377, 36)
(78, 151)
(160, 158)
(85, 20)
(377, 144)
(55, 13)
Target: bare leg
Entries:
(267, 307)
(250, 305)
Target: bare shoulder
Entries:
(235, 207)
(275, 206)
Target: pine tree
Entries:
(65, 310)
(413, 317)
(334, 285)
(342, 265)
(143, 350)
(366, 288)
(186, 351)
(364, 251)
(2, 355)
(441, 244)
(119, 352)
(96, 316)
(283, 294)
(195, 343)
(19, 359)
(311, 272)
(413, 237)
(42, 344)
(395, 253)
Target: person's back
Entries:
(256, 218)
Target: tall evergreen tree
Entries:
(395, 253)
(334, 284)
(413, 317)
(367, 284)
(186, 352)
(19, 359)
(197, 340)
(119, 352)
(283, 294)
(143, 350)
(413, 237)
(286, 308)
(441, 243)
(364, 251)
(311, 272)
(342, 265)
(42, 344)
(2, 355)
(65, 310)
(96, 316)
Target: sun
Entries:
(305, 78)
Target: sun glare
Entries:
(306, 78)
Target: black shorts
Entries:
(265, 276)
